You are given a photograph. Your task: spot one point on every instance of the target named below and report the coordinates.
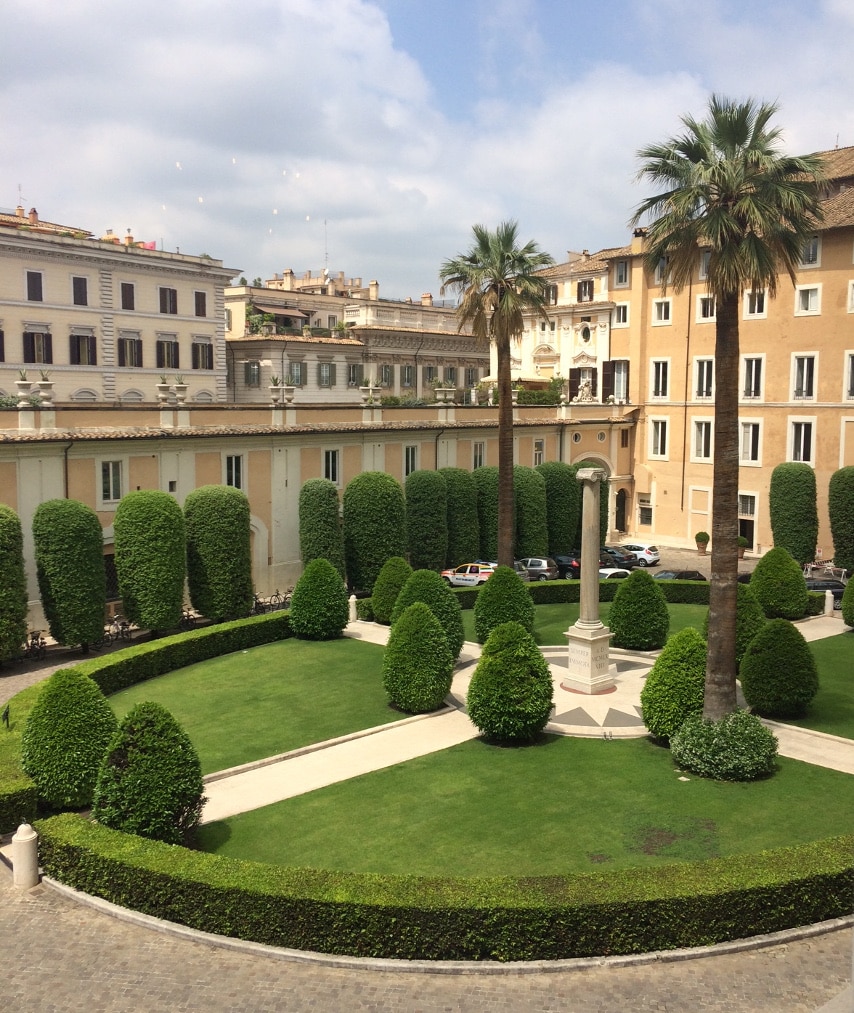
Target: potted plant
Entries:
(702, 540)
(163, 389)
(45, 385)
(275, 389)
(742, 545)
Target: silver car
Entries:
(540, 567)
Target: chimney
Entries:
(34, 216)
(374, 290)
(19, 211)
(426, 298)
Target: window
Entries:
(754, 304)
(660, 369)
(81, 349)
(451, 376)
(234, 471)
(471, 376)
(705, 377)
(331, 459)
(128, 295)
(624, 438)
(851, 296)
(621, 379)
(326, 374)
(644, 511)
(746, 517)
(410, 460)
(660, 312)
(807, 300)
(111, 481)
(252, 373)
(34, 286)
(407, 376)
(168, 300)
(430, 374)
(659, 438)
(705, 308)
(811, 253)
(38, 346)
(849, 376)
(746, 505)
(332, 321)
(167, 355)
(585, 290)
(201, 353)
(551, 295)
(752, 378)
(385, 375)
(539, 452)
(749, 443)
(802, 442)
(201, 300)
(130, 349)
(804, 379)
(621, 274)
(702, 441)
(478, 455)
(705, 258)
(354, 374)
(661, 270)
(621, 314)
(297, 374)
(80, 291)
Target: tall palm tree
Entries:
(730, 191)
(499, 282)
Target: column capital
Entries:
(590, 474)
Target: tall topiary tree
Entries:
(486, 483)
(150, 780)
(374, 526)
(394, 574)
(69, 550)
(428, 587)
(779, 587)
(563, 506)
(778, 673)
(674, 687)
(532, 534)
(840, 506)
(321, 535)
(319, 606)
(417, 664)
(794, 514)
(639, 620)
(503, 598)
(219, 561)
(150, 558)
(13, 586)
(510, 694)
(427, 519)
(749, 620)
(463, 524)
(848, 604)
(65, 737)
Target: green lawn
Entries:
(832, 710)
(270, 699)
(565, 805)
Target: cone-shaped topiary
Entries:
(848, 604)
(65, 737)
(749, 620)
(150, 780)
(674, 687)
(794, 515)
(778, 583)
(417, 665)
(320, 608)
(504, 598)
(840, 509)
(391, 579)
(510, 695)
(428, 587)
(778, 673)
(639, 620)
(736, 748)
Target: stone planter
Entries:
(46, 391)
(180, 392)
(25, 389)
(287, 393)
(163, 391)
(701, 548)
(446, 395)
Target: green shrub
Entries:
(321, 535)
(848, 604)
(13, 586)
(219, 560)
(486, 483)
(563, 505)
(463, 526)
(840, 508)
(374, 526)
(503, 598)
(778, 673)
(64, 739)
(69, 551)
(736, 748)
(428, 587)
(510, 694)
(674, 687)
(779, 587)
(427, 519)
(532, 533)
(417, 665)
(394, 574)
(150, 780)
(150, 558)
(639, 620)
(749, 620)
(320, 608)
(794, 513)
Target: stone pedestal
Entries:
(589, 669)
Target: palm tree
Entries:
(729, 191)
(499, 282)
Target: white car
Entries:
(613, 573)
(647, 553)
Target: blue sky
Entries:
(369, 135)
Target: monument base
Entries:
(589, 670)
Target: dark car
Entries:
(822, 584)
(680, 575)
(617, 556)
(744, 578)
(569, 566)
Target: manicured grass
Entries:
(270, 699)
(832, 709)
(564, 805)
(552, 621)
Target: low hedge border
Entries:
(117, 671)
(409, 917)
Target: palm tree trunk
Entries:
(506, 503)
(720, 698)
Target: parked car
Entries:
(469, 574)
(679, 575)
(518, 566)
(569, 566)
(619, 556)
(744, 577)
(540, 567)
(647, 553)
(613, 573)
(827, 584)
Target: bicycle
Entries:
(259, 606)
(188, 618)
(118, 629)
(279, 600)
(35, 646)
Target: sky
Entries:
(368, 136)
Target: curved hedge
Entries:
(463, 524)
(321, 535)
(219, 560)
(374, 526)
(794, 513)
(427, 519)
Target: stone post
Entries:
(25, 857)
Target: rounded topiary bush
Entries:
(219, 559)
(779, 586)
(64, 739)
(320, 608)
(150, 780)
(417, 665)
(749, 620)
(391, 579)
(510, 695)
(736, 748)
(638, 619)
(848, 604)
(674, 687)
(428, 587)
(504, 598)
(778, 673)
(321, 535)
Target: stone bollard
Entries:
(828, 603)
(353, 613)
(25, 857)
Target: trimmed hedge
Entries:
(427, 519)
(503, 598)
(779, 587)
(463, 524)
(417, 664)
(563, 505)
(13, 586)
(394, 574)
(219, 559)
(736, 748)
(779, 676)
(374, 526)
(532, 533)
(840, 508)
(675, 686)
(486, 484)
(848, 604)
(320, 608)
(559, 592)
(321, 535)
(502, 918)
(639, 620)
(794, 513)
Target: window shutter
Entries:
(29, 347)
(2, 347)
(93, 350)
(160, 355)
(594, 381)
(574, 382)
(122, 352)
(607, 380)
(48, 348)
(303, 374)
(74, 350)
(320, 374)
(194, 356)
(332, 374)
(627, 370)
